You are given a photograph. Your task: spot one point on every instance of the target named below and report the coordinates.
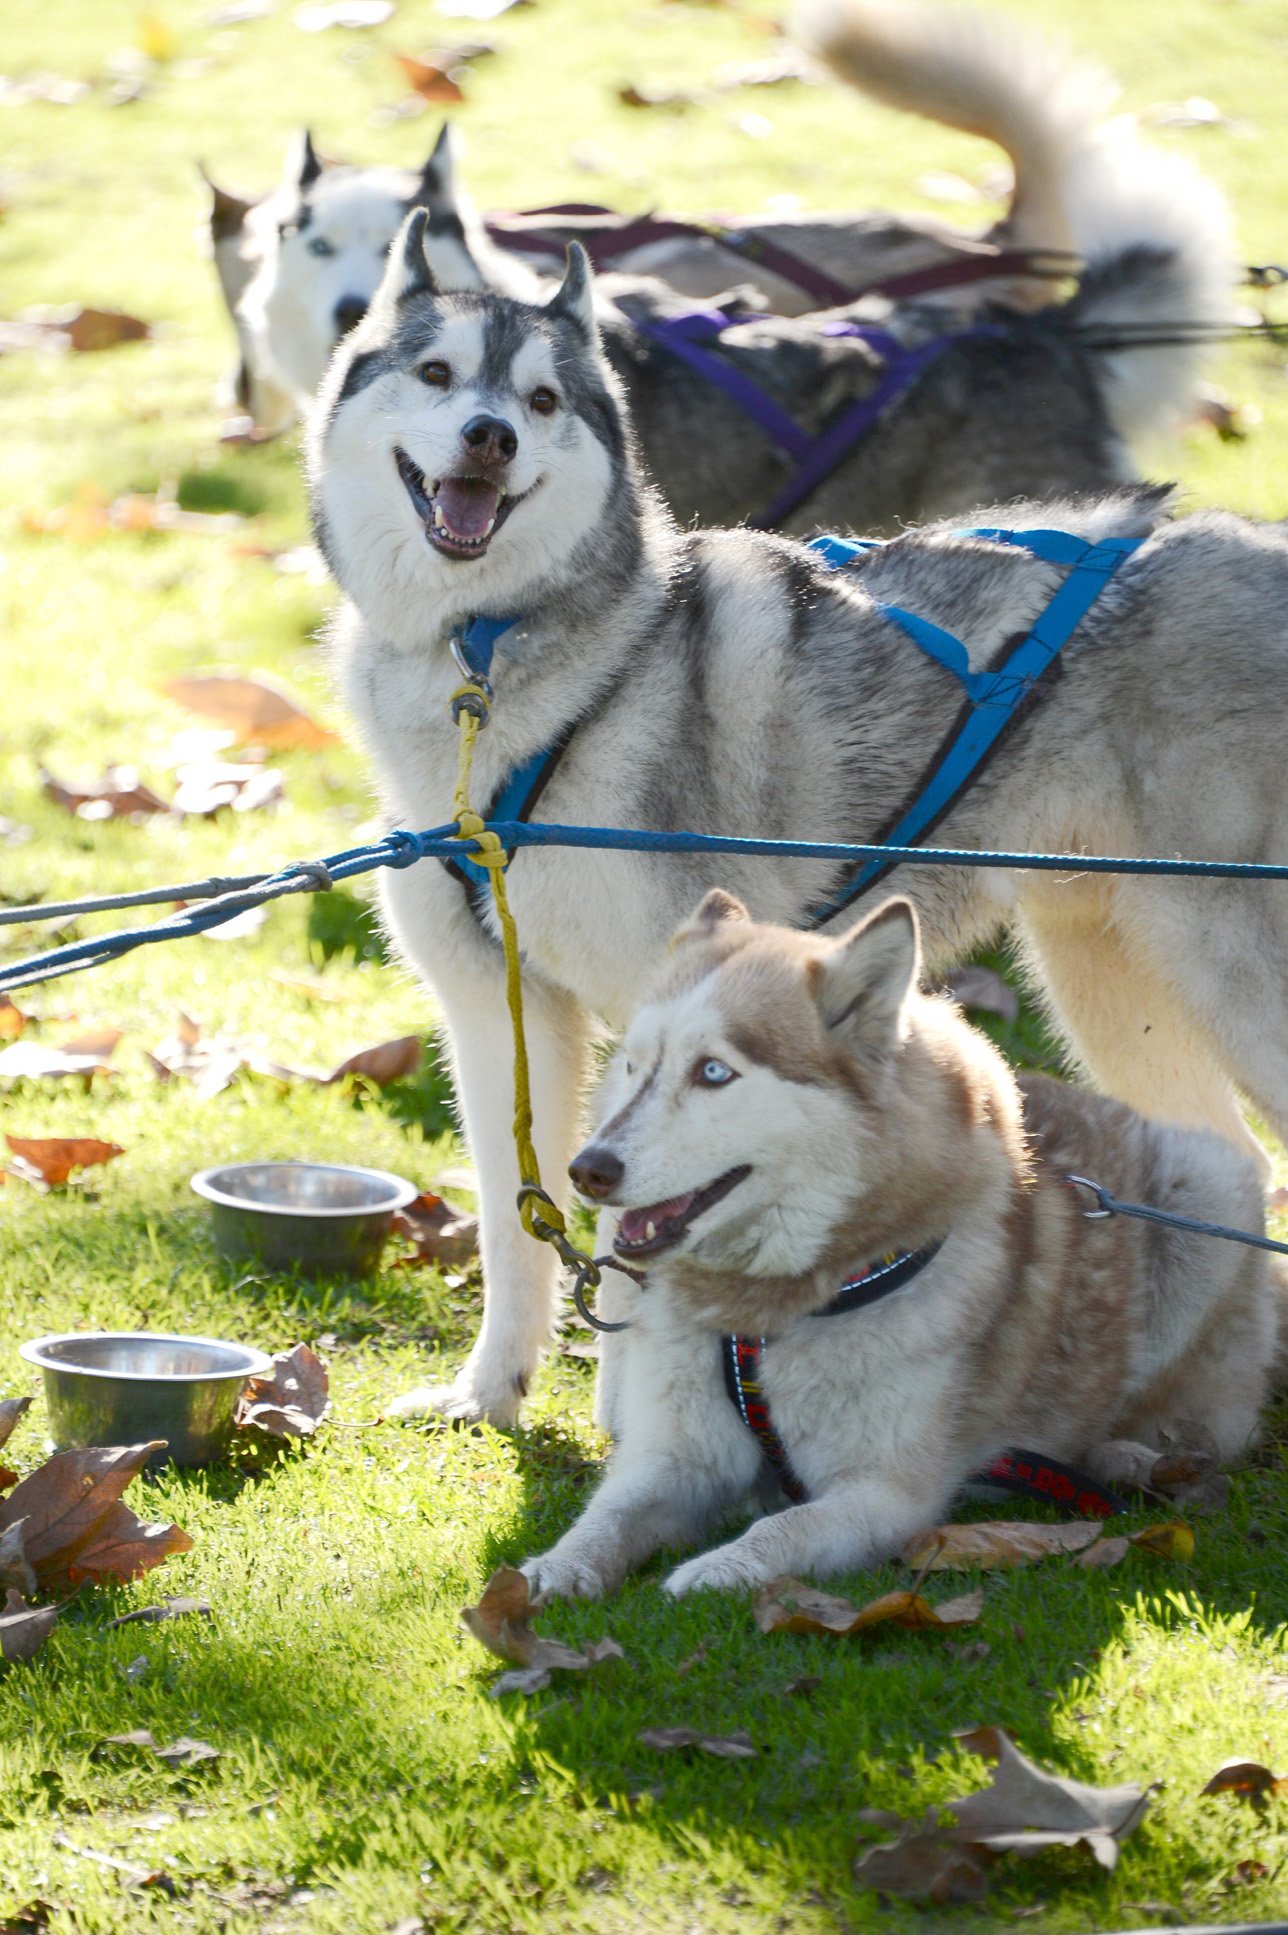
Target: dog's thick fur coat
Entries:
(869, 1118)
(727, 681)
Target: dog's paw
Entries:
(720, 1571)
(457, 1403)
(558, 1576)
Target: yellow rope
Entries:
(549, 1226)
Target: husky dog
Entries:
(470, 455)
(298, 268)
(786, 1109)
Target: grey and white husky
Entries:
(470, 455)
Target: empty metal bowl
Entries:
(321, 1217)
(122, 1387)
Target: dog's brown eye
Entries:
(544, 401)
(437, 375)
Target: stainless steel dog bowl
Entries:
(321, 1217)
(122, 1387)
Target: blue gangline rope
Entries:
(403, 848)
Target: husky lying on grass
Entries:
(470, 455)
(788, 1109)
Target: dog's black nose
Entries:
(349, 312)
(596, 1172)
(491, 438)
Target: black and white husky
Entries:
(470, 456)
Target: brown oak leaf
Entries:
(55, 1157)
(23, 1628)
(501, 1621)
(992, 1543)
(257, 711)
(290, 1400)
(76, 1526)
(791, 1606)
(441, 1234)
(1026, 1809)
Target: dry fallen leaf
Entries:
(387, 1061)
(430, 82)
(168, 1609)
(1170, 1541)
(75, 326)
(12, 1019)
(180, 1753)
(55, 1157)
(24, 1629)
(926, 1863)
(255, 709)
(291, 1400)
(207, 788)
(30, 1061)
(75, 1525)
(724, 1746)
(11, 1410)
(1001, 1542)
(119, 795)
(441, 1234)
(1247, 1779)
(1027, 1809)
(501, 1622)
(984, 990)
(791, 1606)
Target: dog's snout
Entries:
(349, 312)
(491, 438)
(596, 1171)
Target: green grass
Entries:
(365, 1776)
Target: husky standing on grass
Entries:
(788, 1115)
(469, 457)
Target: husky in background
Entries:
(296, 267)
(470, 455)
(786, 1114)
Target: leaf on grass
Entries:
(76, 1526)
(1026, 1809)
(984, 990)
(75, 326)
(55, 1157)
(387, 1061)
(13, 1019)
(724, 1746)
(119, 795)
(993, 1543)
(631, 94)
(205, 789)
(1248, 1780)
(24, 1629)
(441, 1234)
(29, 1061)
(257, 711)
(16, 1574)
(171, 1608)
(430, 82)
(100, 1042)
(1170, 1541)
(183, 1752)
(926, 1863)
(209, 1064)
(11, 1409)
(792, 1606)
(501, 1621)
(290, 1400)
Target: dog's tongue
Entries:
(467, 506)
(633, 1227)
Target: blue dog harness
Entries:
(994, 698)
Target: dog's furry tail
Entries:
(1155, 235)
(988, 76)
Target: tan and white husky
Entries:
(788, 1108)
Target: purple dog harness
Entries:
(815, 455)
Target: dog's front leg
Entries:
(519, 1274)
(638, 1509)
(849, 1527)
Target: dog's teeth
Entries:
(491, 526)
(650, 1230)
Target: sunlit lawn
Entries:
(365, 1776)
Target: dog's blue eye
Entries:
(714, 1074)
(320, 246)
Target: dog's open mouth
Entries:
(643, 1232)
(462, 514)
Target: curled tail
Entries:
(985, 75)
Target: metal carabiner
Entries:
(1107, 1206)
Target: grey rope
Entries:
(1108, 1205)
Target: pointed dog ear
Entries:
(574, 299)
(436, 175)
(408, 273)
(716, 909)
(228, 212)
(863, 980)
(302, 165)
